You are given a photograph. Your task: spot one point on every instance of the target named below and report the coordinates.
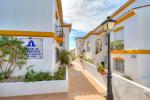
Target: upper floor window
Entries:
(88, 47)
(98, 46)
(118, 41)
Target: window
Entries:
(118, 65)
(88, 47)
(57, 55)
(98, 46)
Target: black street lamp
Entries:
(108, 26)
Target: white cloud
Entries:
(85, 15)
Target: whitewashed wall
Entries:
(66, 37)
(92, 44)
(28, 15)
(32, 88)
(101, 56)
(123, 89)
(47, 63)
(143, 69)
(130, 65)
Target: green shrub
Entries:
(101, 68)
(32, 76)
(2, 76)
(89, 60)
(60, 74)
(13, 55)
(64, 57)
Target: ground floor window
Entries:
(118, 65)
(57, 55)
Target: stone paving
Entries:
(81, 87)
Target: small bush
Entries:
(32, 76)
(2, 77)
(60, 74)
(101, 68)
(64, 57)
(89, 60)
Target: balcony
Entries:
(117, 45)
(59, 30)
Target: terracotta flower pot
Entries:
(102, 72)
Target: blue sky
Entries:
(85, 15)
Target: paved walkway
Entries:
(81, 87)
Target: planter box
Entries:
(31, 88)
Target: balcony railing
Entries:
(117, 45)
(59, 31)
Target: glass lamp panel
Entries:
(111, 25)
(105, 26)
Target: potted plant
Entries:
(64, 57)
(101, 69)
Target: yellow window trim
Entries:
(119, 29)
(125, 17)
(130, 52)
(30, 34)
(118, 58)
(127, 4)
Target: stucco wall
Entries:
(47, 63)
(101, 56)
(123, 89)
(33, 88)
(143, 15)
(130, 65)
(66, 37)
(28, 15)
(143, 69)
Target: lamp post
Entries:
(108, 26)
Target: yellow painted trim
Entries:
(30, 34)
(119, 29)
(125, 17)
(127, 4)
(56, 15)
(130, 52)
(59, 6)
(67, 25)
(118, 58)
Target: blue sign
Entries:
(34, 47)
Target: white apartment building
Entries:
(39, 23)
(130, 41)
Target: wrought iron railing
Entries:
(59, 31)
(117, 45)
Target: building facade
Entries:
(130, 52)
(39, 24)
